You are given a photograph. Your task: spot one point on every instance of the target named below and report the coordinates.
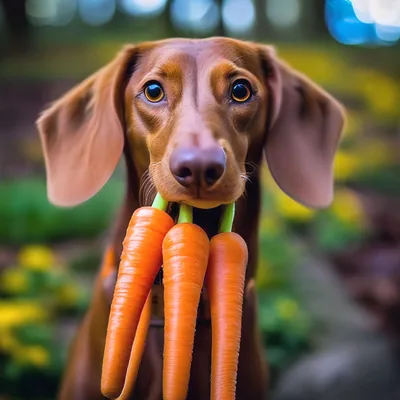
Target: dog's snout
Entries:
(198, 167)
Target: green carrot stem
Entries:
(160, 203)
(185, 214)
(227, 218)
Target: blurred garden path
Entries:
(351, 360)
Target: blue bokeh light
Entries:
(96, 12)
(143, 8)
(344, 24)
(238, 16)
(201, 16)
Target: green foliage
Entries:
(384, 181)
(36, 296)
(331, 234)
(26, 215)
(285, 327)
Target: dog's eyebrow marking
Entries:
(168, 70)
(227, 70)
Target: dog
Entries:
(194, 120)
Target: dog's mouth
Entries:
(208, 219)
(206, 213)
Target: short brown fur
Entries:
(292, 121)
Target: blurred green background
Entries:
(327, 278)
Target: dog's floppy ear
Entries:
(304, 128)
(82, 133)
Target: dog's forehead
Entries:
(201, 52)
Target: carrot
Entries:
(225, 284)
(109, 263)
(141, 259)
(137, 351)
(185, 257)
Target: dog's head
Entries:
(195, 113)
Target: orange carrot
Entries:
(185, 257)
(109, 263)
(137, 351)
(224, 280)
(141, 260)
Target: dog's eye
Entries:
(154, 92)
(241, 91)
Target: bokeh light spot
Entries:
(50, 12)
(283, 13)
(143, 7)
(96, 12)
(238, 16)
(201, 16)
(364, 22)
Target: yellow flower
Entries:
(33, 355)
(376, 153)
(265, 275)
(287, 309)
(348, 207)
(354, 123)
(17, 313)
(8, 341)
(346, 165)
(270, 223)
(37, 258)
(291, 209)
(28, 355)
(268, 181)
(285, 205)
(32, 149)
(380, 91)
(14, 281)
(321, 66)
(68, 295)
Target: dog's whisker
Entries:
(245, 177)
(145, 187)
(150, 192)
(253, 167)
(147, 190)
(147, 195)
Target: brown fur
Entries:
(296, 124)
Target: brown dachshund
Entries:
(194, 120)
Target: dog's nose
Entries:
(198, 167)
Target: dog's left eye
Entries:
(154, 92)
(241, 91)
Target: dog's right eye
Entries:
(241, 91)
(154, 92)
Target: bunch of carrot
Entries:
(189, 261)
